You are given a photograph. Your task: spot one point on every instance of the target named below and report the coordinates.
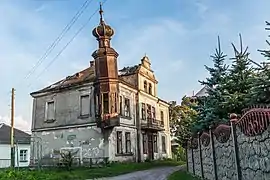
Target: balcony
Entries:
(107, 121)
(152, 124)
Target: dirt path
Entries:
(151, 174)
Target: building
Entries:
(102, 111)
(22, 147)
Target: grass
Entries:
(179, 175)
(83, 173)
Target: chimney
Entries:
(92, 63)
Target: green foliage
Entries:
(178, 175)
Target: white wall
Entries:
(5, 155)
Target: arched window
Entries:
(145, 86)
(150, 89)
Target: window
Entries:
(145, 86)
(121, 105)
(128, 142)
(155, 144)
(150, 89)
(50, 111)
(143, 111)
(106, 103)
(119, 142)
(84, 105)
(163, 144)
(148, 112)
(153, 113)
(162, 117)
(23, 155)
(127, 107)
(144, 143)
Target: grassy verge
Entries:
(181, 175)
(83, 173)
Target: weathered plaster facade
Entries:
(98, 110)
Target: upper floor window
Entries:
(121, 105)
(50, 111)
(85, 105)
(127, 107)
(145, 86)
(106, 103)
(150, 89)
(143, 111)
(153, 112)
(162, 117)
(149, 115)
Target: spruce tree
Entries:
(261, 85)
(210, 108)
(238, 87)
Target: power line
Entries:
(60, 36)
(61, 51)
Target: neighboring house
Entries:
(102, 111)
(202, 92)
(22, 147)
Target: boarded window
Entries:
(23, 155)
(119, 142)
(50, 111)
(144, 143)
(128, 142)
(163, 139)
(143, 111)
(85, 105)
(155, 144)
(105, 103)
(127, 107)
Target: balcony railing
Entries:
(153, 124)
(108, 120)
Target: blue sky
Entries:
(178, 36)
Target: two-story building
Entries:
(102, 111)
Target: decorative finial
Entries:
(101, 12)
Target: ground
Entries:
(153, 174)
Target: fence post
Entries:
(213, 152)
(233, 120)
(200, 154)
(192, 157)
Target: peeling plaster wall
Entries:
(225, 159)
(113, 144)
(67, 108)
(254, 155)
(89, 140)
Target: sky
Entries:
(177, 35)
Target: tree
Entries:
(182, 119)
(239, 81)
(210, 107)
(261, 84)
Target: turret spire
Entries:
(101, 13)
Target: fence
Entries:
(239, 151)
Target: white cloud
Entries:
(19, 123)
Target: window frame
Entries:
(145, 86)
(119, 142)
(143, 111)
(121, 105)
(150, 89)
(108, 103)
(163, 145)
(23, 155)
(47, 111)
(145, 143)
(155, 146)
(162, 117)
(81, 105)
(127, 112)
(128, 142)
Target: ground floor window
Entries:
(163, 144)
(23, 155)
(144, 143)
(155, 144)
(119, 142)
(128, 142)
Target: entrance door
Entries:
(150, 146)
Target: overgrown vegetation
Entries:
(178, 175)
(230, 89)
(112, 169)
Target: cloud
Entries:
(19, 123)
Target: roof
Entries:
(84, 76)
(202, 92)
(19, 136)
(128, 70)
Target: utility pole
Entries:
(12, 148)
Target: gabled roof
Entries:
(202, 92)
(19, 136)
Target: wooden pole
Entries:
(12, 130)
